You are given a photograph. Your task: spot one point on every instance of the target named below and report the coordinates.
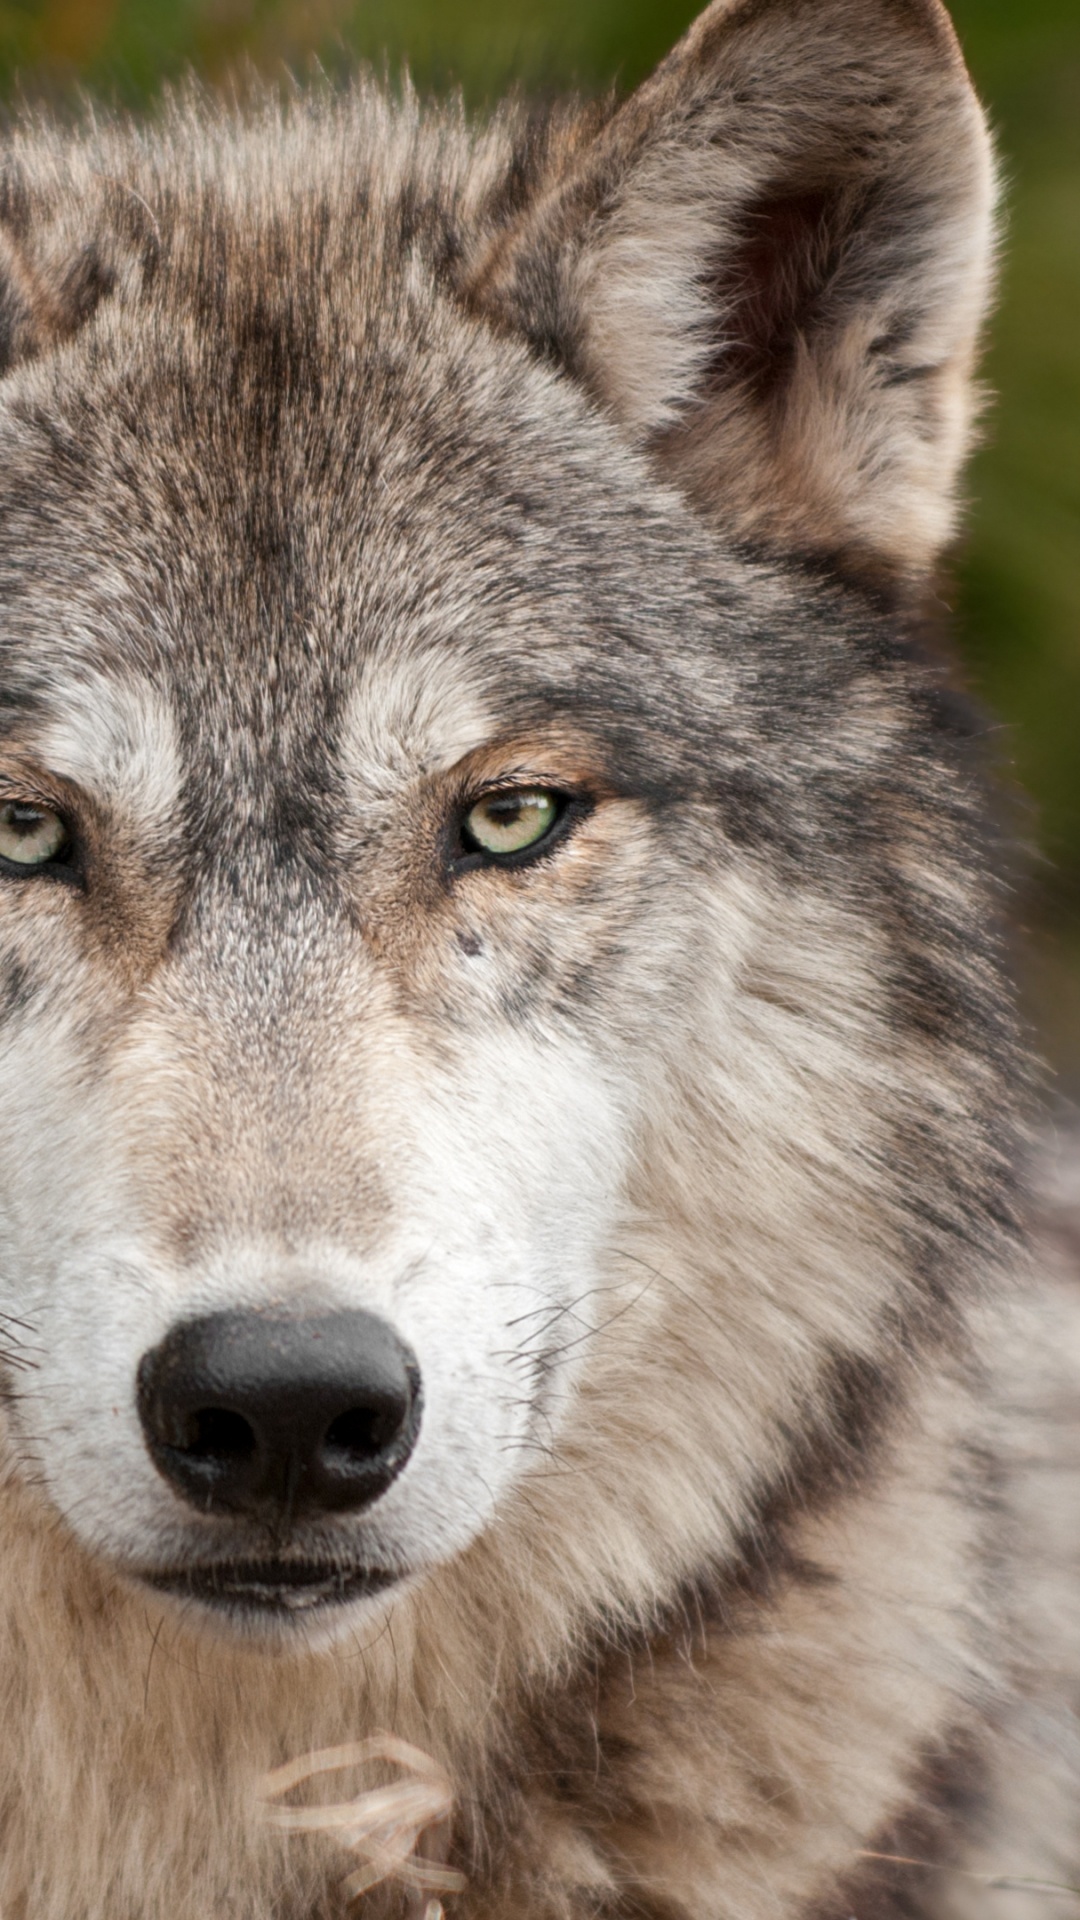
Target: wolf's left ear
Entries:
(771, 266)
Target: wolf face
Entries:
(497, 989)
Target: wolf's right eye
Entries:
(31, 836)
(511, 822)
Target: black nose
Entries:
(280, 1415)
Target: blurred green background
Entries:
(1015, 584)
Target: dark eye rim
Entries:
(572, 809)
(65, 867)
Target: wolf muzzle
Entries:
(280, 1416)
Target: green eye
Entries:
(511, 821)
(30, 836)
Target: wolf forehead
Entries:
(274, 445)
(263, 447)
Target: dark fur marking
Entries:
(16, 201)
(583, 1768)
(88, 280)
(833, 1451)
(830, 1456)
(13, 321)
(17, 987)
(947, 1800)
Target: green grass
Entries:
(1018, 572)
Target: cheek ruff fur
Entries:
(546, 1384)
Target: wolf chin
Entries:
(514, 1163)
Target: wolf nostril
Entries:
(218, 1434)
(362, 1432)
(276, 1415)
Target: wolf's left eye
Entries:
(31, 836)
(512, 821)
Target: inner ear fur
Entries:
(772, 265)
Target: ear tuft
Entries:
(771, 267)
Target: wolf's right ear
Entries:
(42, 304)
(771, 266)
(61, 255)
(19, 331)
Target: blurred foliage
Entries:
(125, 47)
(1017, 576)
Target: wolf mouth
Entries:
(281, 1587)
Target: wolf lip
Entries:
(272, 1586)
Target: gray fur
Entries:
(691, 1157)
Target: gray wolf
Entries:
(514, 1162)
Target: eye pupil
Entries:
(30, 836)
(24, 819)
(506, 823)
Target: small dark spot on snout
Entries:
(280, 1416)
(469, 943)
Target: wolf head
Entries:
(497, 1000)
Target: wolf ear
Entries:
(60, 257)
(40, 308)
(771, 266)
